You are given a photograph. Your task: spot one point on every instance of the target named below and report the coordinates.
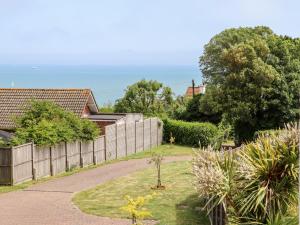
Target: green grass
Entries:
(167, 150)
(177, 205)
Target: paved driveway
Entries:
(50, 203)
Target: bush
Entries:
(257, 184)
(46, 123)
(190, 133)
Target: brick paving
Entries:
(50, 203)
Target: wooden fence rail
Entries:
(28, 161)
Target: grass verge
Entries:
(167, 150)
(177, 205)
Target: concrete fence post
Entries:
(143, 134)
(94, 156)
(157, 132)
(105, 156)
(116, 133)
(34, 175)
(51, 162)
(67, 159)
(12, 167)
(150, 132)
(135, 136)
(126, 138)
(80, 154)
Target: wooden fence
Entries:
(28, 161)
(217, 216)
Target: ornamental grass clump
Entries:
(256, 185)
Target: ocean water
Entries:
(107, 82)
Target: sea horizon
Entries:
(107, 82)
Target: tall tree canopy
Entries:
(253, 77)
(147, 97)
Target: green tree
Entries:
(199, 109)
(107, 108)
(147, 97)
(253, 78)
(46, 123)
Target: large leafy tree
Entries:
(147, 97)
(253, 77)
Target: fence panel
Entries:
(111, 145)
(87, 151)
(42, 161)
(121, 140)
(147, 133)
(99, 149)
(218, 216)
(154, 126)
(130, 138)
(139, 126)
(22, 158)
(160, 131)
(73, 154)
(58, 157)
(5, 166)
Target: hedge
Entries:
(189, 133)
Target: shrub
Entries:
(135, 208)
(46, 123)
(4, 143)
(256, 185)
(189, 133)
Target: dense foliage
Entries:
(189, 133)
(3, 143)
(256, 185)
(147, 97)
(107, 108)
(46, 123)
(253, 78)
(197, 109)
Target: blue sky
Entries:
(129, 32)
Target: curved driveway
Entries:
(50, 203)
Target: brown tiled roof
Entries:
(13, 101)
(198, 90)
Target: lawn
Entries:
(177, 205)
(166, 150)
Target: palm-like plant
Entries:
(271, 184)
(256, 185)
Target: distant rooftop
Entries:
(197, 90)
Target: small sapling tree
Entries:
(157, 159)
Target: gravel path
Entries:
(50, 203)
